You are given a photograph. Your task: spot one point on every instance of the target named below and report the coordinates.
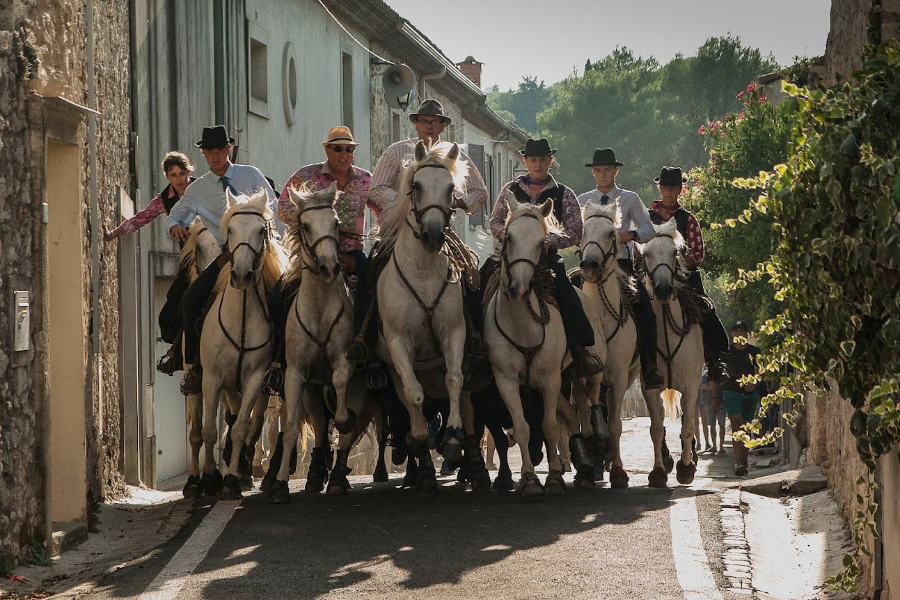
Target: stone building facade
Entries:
(64, 157)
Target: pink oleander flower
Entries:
(763, 98)
(702, 130)
(751, 87)
(741, 117)
(740, 95)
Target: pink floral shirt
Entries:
(571, 212)
(351, 206)
(693, 237)
(150, 212)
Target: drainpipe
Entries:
(429, 76)
(92, 170)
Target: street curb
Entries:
(736, 558)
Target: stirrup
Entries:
(273, 380)
(653, 378)
(191, 383)
(376, 378)
(475, 348)
(358, 352)
(166, 364)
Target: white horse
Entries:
(420, 301)
(236, 344)
(526, 340)
(680, 345)
(600, 272)
(319, 330)
(198, 252)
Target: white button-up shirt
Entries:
(633, 214)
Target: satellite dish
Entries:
(398, 82)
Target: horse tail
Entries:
(670, 402)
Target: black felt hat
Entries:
(215, 137)
(740, 325)
(670, 176)
(539, 147)
(432, 108)
(604, 157)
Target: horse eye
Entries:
(262, 231)
(416, 185)
(306, 226)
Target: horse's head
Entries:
(317, 228)
(430, 181)
(524, 245)
(600, 240)
(246, 226)
(661, 259)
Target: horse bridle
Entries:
(311, 248)
(420, 212)
(504, 259)
(606, 255)
(257, 255)
(674, 270)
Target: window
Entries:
(347, 88)
(476, 153)
(258, 67)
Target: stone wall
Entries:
(43, 55)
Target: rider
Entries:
(671, 184)
(429, 122)
(206, 198)
(635, 226)
(177, 168)
(535, 188)
(353, 183)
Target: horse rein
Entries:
(429, 310)
(622, 317)
(606, 256)
(669, 320)
(240, 347)
(419, 213)
(311, 248)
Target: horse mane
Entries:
(187, 258)
(670, 229)
(312, 197)
(521, 209)
(394, 215)
(276, 259)
(595, 209)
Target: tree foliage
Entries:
(522, 104)
(836, 266)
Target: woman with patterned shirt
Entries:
(535, 188)
(178, 169)
(671, 185)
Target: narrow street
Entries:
(383, 542)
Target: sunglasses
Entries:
(347, 149)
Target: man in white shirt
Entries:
(635, 226)
(205, 198)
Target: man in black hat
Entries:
(535, 188)
(671, 184)
(741, 400)
(205, 198)
(429, 121)
(634, 226)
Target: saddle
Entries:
(542, 283)
(693, 305)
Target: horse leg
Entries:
(381, 434)
(555, 485)
(658, 476)
(687, 467)
(239, 431)
(193, 487)
(317, 475)
(584, 468)
(508, 386)
(503, 481)
(618, 478)
(338, 484)
(211, 480)
(478, 476)
(254, 434)
(344, 418)
(412, 396)
(455, 437)
(293, 392)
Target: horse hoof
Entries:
(668, 462)
(246, 483)
(555, 485)
(480, 481)
(193, 489)
(452, 445)
(504, 483)
(427, 488)
(618, 478)
(231, 489)
(336, 488)
(409, 481)
(314, 485)
(279, 493)
(657, 478)
(268, 481)
(380, 475)
(585, 471)
(685, 473)
(349, 425)
(211, 483)
(584, 483)
(530, 487)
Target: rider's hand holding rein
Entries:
(178, 233)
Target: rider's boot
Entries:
(587, 364)
(192, 382)
(645, 320)
(172, 360)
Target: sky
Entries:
(551, 39)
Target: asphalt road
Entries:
(383, 542)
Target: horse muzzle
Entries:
(590, 269)
(328, 267)
(663, 291)
(517, 291)
(241, 279)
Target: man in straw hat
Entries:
(634, 226)
(536, 187)
(205, 198)
(671, 184)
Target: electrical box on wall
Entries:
(22, 321)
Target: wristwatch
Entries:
(634, 236)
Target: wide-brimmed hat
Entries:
(340, 134)
(539, 147)
(432, 108)
(604, 157)
(740, 325)
(670, 176)
(214, 137)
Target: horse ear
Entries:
(454, 152)
(510, 199)
(230, 199)
(420, 150)
(298, 199)
(547, 207)
(332, 189)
